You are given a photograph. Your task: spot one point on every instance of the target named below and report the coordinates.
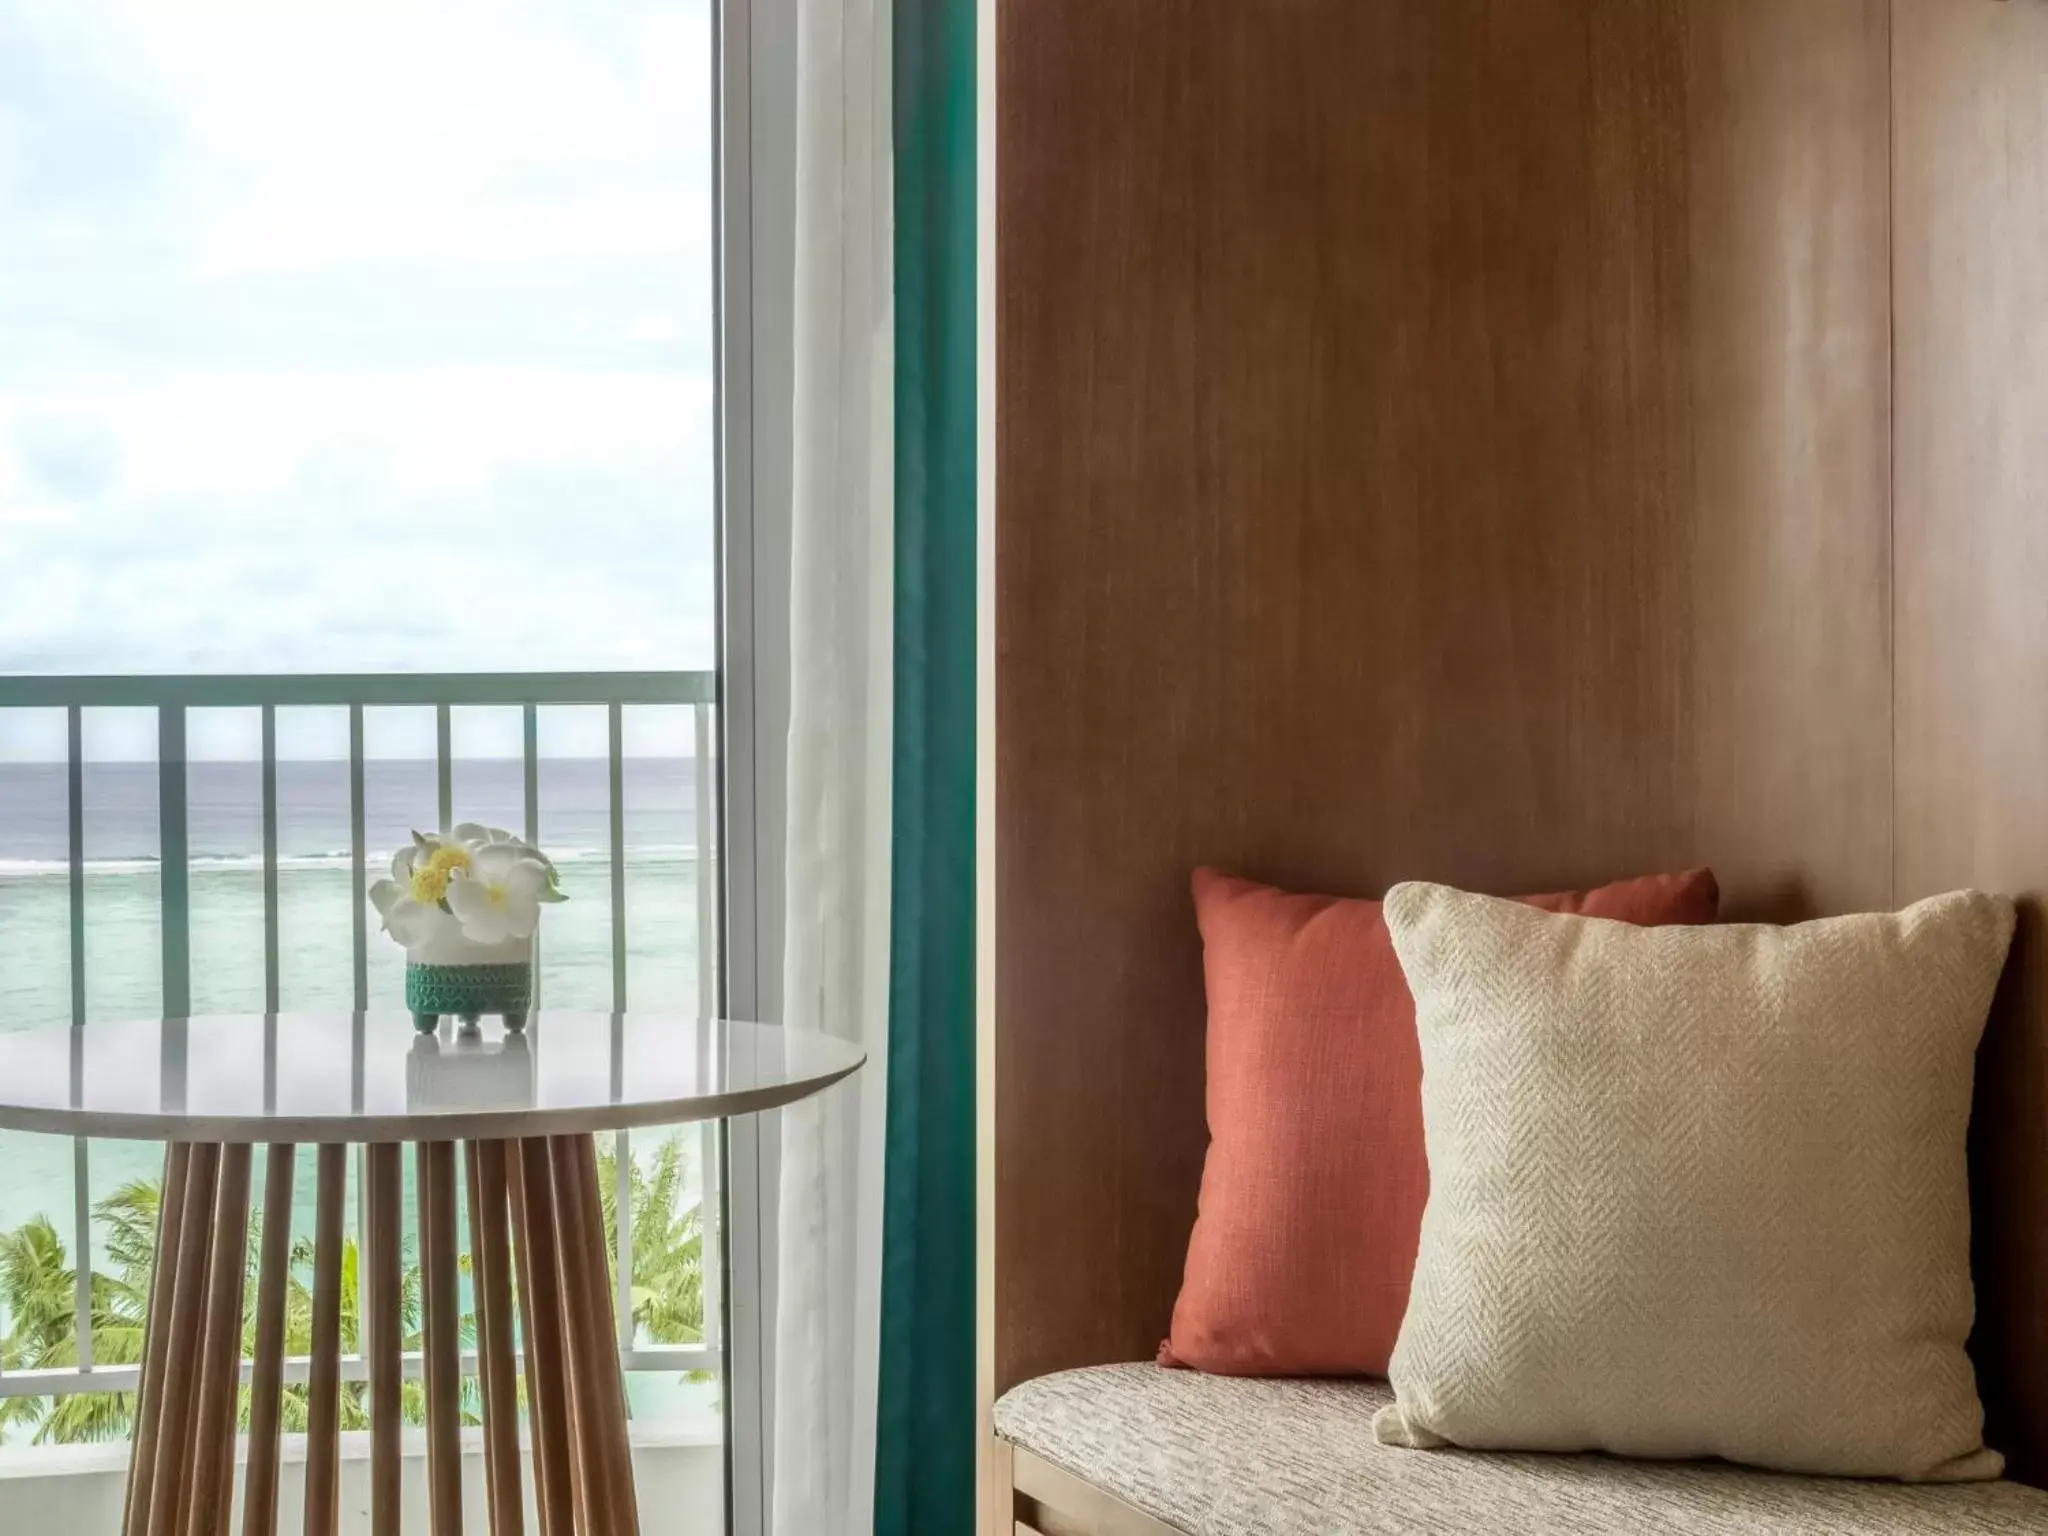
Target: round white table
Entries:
(526, 1106)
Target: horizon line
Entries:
(344, 761)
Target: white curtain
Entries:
(836, 964)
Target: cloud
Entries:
(71, 461)
(69, 134)
(355, 335)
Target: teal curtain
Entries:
(924, 1455)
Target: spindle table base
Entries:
(534, 1218)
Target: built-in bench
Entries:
(1134, 1450)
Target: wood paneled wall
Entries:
(1971, 244)
(1443, 438)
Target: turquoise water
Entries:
(124, 936)
(123, 946)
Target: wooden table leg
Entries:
(385, 1178)
(181, 1470)
(181, 1475)
(185, 1319)
(210, 1477)
(599, 1384)
(490, 1247)
(323, 1390)
(441, 1340)
(584, 1317)
(149, 1400)
(540, 1311)
(574, 1387)
(266, 1377)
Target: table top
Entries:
(369, 1077)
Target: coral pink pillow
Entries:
(1312, 1194)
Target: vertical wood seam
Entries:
(1891, 442)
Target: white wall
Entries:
(78, 1490)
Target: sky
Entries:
(352, 335)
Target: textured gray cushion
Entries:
(1221, 1457)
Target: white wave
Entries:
(377, 861)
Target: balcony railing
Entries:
(172, 698)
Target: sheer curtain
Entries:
(836, 960)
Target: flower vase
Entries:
(466, 906)
(447, 973)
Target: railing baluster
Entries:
(270, 967)
(81, 1183)
(618, 808)
(667, 1358)
(247, 690)
(711, 1330)
(530, 730)
(81, 1250)
(444, 765)
(707, 885)
(358, 1026)
(706, 834)
(622, 1206)
(75, 781)
(622, 1198)
(173, 869)
(530, 743)
(172, 698)
(358, 857)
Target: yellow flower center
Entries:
(430, 880)
(495, 895)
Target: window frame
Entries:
(755, 138)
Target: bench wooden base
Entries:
(1032, 1497)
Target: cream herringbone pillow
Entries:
(1696, 1191)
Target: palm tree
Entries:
(39, 1288)
(668, 1244)
(38, 1299)
(38, 1291)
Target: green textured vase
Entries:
(468, 992)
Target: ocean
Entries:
(123, 931)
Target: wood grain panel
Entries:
(1787, 698)
(1424, 431)
(1972, 568)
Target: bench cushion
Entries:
(1218, 1456)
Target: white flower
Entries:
(498, 896)
(478, 881)
(410, 922)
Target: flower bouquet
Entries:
(465, 904)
